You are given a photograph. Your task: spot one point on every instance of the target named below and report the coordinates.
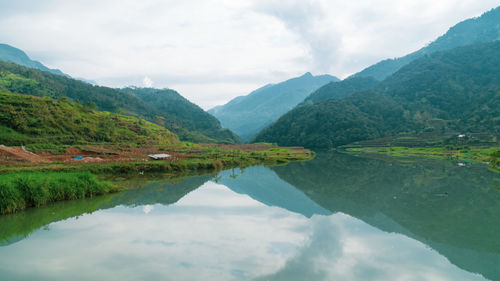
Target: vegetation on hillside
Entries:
(457, 91)
(340, 89)
(476, 30)
(19, 79)
(27, 120)
(187, 120)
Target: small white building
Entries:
(461, 136)
(159, 156)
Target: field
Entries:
(462, 154)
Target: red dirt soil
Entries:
(17, 153)
(89, 154)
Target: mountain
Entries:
(340, 89)
(451, 91)
(485, 28)
(11, 54)
(19, 79)
(247, 115)
(186, 119)
(27, 119)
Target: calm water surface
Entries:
(338, 217)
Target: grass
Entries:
(201, 160)
(20, 190)
(489, 155)
(34, 120)
(36, 184)
(495, 161)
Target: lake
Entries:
(337, 217)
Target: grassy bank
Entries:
(20, 190)
(489, 155)
(32, 184)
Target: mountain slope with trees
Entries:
(340, 89)
(452, 91)
(247, 115)
(27, 119)
(485, 28)
(186, 119)
(19, 79)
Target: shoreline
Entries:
(486, 155)
(35, 184)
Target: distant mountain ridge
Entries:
(485, 28)
(15, 55)
(247, 115)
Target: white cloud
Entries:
(221, 44)
(147, 82)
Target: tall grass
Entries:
(33, 189)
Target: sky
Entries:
(211, 51)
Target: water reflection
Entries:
(452, 209)
(337, 217)
(263, 185)
(343, 248)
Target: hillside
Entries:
(186, 119)
(19, 79)
(485, 28)
(340, 89)
(11, 54)
(456, 91)
(27, 120)
(247, 115)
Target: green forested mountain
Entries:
(451, 91)
(11, 54)
(485, 28)
(27, 119)
(19, 79)
(185, 118)
(247, 115)
(340, 89)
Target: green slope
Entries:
(485, 28)
(340, 89)
(247, 115)
(20, 79)
(27, 119)
(186, 119)
(452, 91)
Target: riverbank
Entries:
(29, 179)
(21, 190)
(489, 155)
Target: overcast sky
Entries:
(213, 50)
